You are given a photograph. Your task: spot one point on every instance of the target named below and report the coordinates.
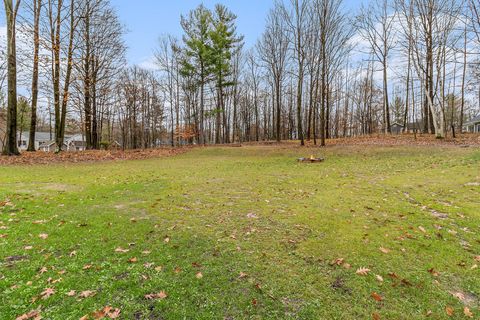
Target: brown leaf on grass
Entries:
(121, 250)
(47, 293)
(393, 275)
(106, 312)
(158, 268)
(433, 272)
(72, 293)
(43, 236)
(242, 275)
(477, 258)
(338, 262)
(379, 278)
(384, 250)
(132, 260)
(87, 267)
(422, 229)
(43, 270)
(375, 316)
(73, 254)
(177, 270)
(199, 275)
(114, 314)
(152, 296)
(254, 302)
(449, 311)
(467, 312)
(362, 271)
(167, 239)
(87, 293)
(34, 314)
(28, 247)
(146, 252)
(376, 296)
(3, 236)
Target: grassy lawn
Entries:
(246, 233)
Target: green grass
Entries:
(250, 210)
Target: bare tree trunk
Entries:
(37, 6)
(10, 147)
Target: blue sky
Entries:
(147, 20)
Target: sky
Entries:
(147, 20)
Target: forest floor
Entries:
(374, 232)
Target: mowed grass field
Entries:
(245, 233)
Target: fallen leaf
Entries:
(199, 275)
(362, 271)
(43, 236)
(375, 316)
(379, 278)
(376, 296)
(146, 252)
(433, 272)
(159, 268)
(43, 270)
(34, 314)
(132, 260)
(166, 240)
(243, 275)
(71, 293)
(122, 250)
(73, 254)
(384, 250)
(87, 293)
(87, 267)
(47, 293)
(449, 311)
(338, 262)
(477, 258)
(161, 295)
(28, 247)
(422, 229)
(467, 312)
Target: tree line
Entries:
(317, 72)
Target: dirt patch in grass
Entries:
(34, 158)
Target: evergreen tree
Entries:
(197, 60)
(225, 43)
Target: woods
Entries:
(318, 71)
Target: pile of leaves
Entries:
(32, 158)
(408, 140)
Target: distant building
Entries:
(472, 126)
(44, 142)
(24, 139)
(396, 128)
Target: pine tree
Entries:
(197, 58)
(225, 43)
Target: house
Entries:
(44, 142)
(472, 126)
(76, 143)
(51, 146)
(396, 128)
(40, 138)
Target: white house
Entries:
(44, 142)
(472, 126)
(40, 138)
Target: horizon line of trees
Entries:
(317, 72)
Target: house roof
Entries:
(39, 136)
(473, 121)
